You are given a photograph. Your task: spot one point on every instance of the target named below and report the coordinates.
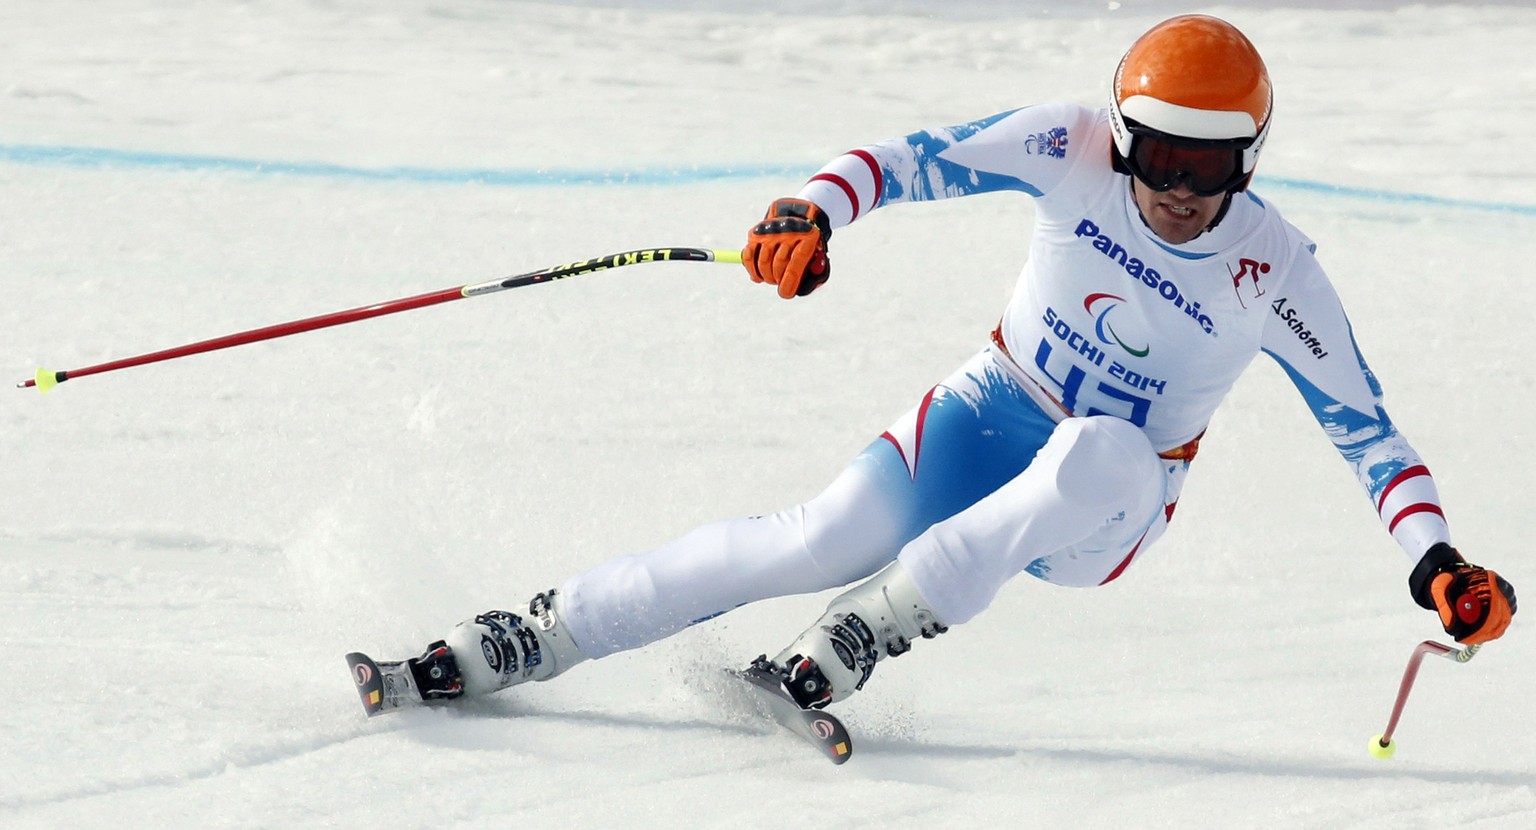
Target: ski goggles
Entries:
(1207, 167)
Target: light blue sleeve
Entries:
(915, 169)
(1027, 150)
(1308, 334)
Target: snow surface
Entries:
(189, 548)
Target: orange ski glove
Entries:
(789, 248)
(1475, 604)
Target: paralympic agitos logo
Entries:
(1147, 276)
(1099, 307)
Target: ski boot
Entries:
(494, 650)
(498, 649)
(835, 657)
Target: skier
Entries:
(1155, 276)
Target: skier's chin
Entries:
(1177, 215)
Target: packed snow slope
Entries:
(188, 549)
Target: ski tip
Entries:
(817, 727)
(840, 752)
(370, 683)
(832, 735)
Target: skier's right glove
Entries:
(789, 248)
(1475, 604)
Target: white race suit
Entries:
(1061, 447)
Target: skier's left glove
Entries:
(1475, 604)
(789, 248)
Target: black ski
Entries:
(815, 727)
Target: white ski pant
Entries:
(973, 486)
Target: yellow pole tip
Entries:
(45, 380)
(1382, 750)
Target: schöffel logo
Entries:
(1053, 143)
(1149, 277)
(1099, 307)
(1292, 319)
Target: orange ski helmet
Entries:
(1191, 89)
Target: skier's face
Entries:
(1176, 215)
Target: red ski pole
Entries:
(1382, 745)
(45, 380)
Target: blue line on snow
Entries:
(100, 157)
(1373, 194)
(97, 157)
